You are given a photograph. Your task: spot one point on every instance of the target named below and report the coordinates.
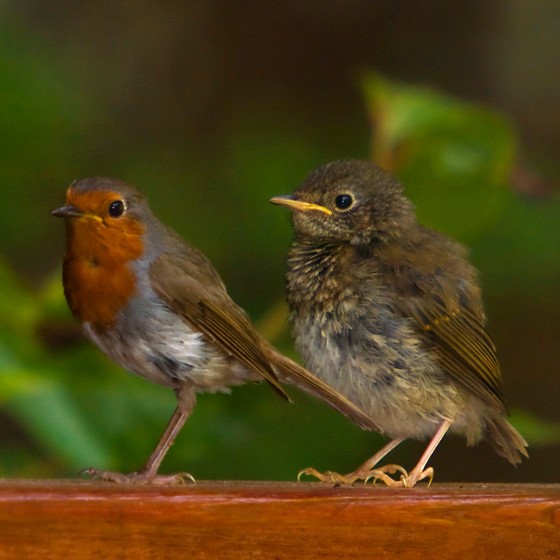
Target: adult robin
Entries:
(156, 306)
(389, 313)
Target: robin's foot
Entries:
(140, 477)
(380, 473)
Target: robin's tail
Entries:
(287, 370)
(506, 440)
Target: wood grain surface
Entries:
(83, 520)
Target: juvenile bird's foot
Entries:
(416, 476)
(407, 480)
(142, 478)
(366, 475)
(329, 477)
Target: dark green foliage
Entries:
(63, 406)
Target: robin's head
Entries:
(351, 201)
(105, 217)
(104, 203)
(106, 221)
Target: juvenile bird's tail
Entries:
(506, 440)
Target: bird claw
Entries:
(139, 477)
(329, 477)
(332, 477)
(416, 476)
(381, 473)
(407, 480)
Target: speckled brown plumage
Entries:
(390, 314)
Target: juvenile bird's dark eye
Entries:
(116, 208)
(343, 201)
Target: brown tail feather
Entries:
(288, 370)
(506, 440)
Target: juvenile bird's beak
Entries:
(294, 204)
(68, 211)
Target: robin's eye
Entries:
(116, 208)
(344, 201)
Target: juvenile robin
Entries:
(389, 313)
(157, 307)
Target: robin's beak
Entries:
(68, 211)
(294, 204)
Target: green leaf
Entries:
(18, 307)
(51, 417)
(454, 158)
(535, 430)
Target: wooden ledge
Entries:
(79, 520)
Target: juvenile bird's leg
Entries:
(148, 473)
(367, 471)
(418, 473)
(363, 472)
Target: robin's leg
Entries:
(364, 472)
(148, 473)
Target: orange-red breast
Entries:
(157, 306)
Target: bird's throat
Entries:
(312, 277)
(98, 277)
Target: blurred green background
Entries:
(211, 108)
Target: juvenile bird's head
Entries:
(350, 201)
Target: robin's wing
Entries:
(192, 288)
(442, 296)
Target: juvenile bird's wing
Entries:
(441, 294)
(190, 286)
(463, 345)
